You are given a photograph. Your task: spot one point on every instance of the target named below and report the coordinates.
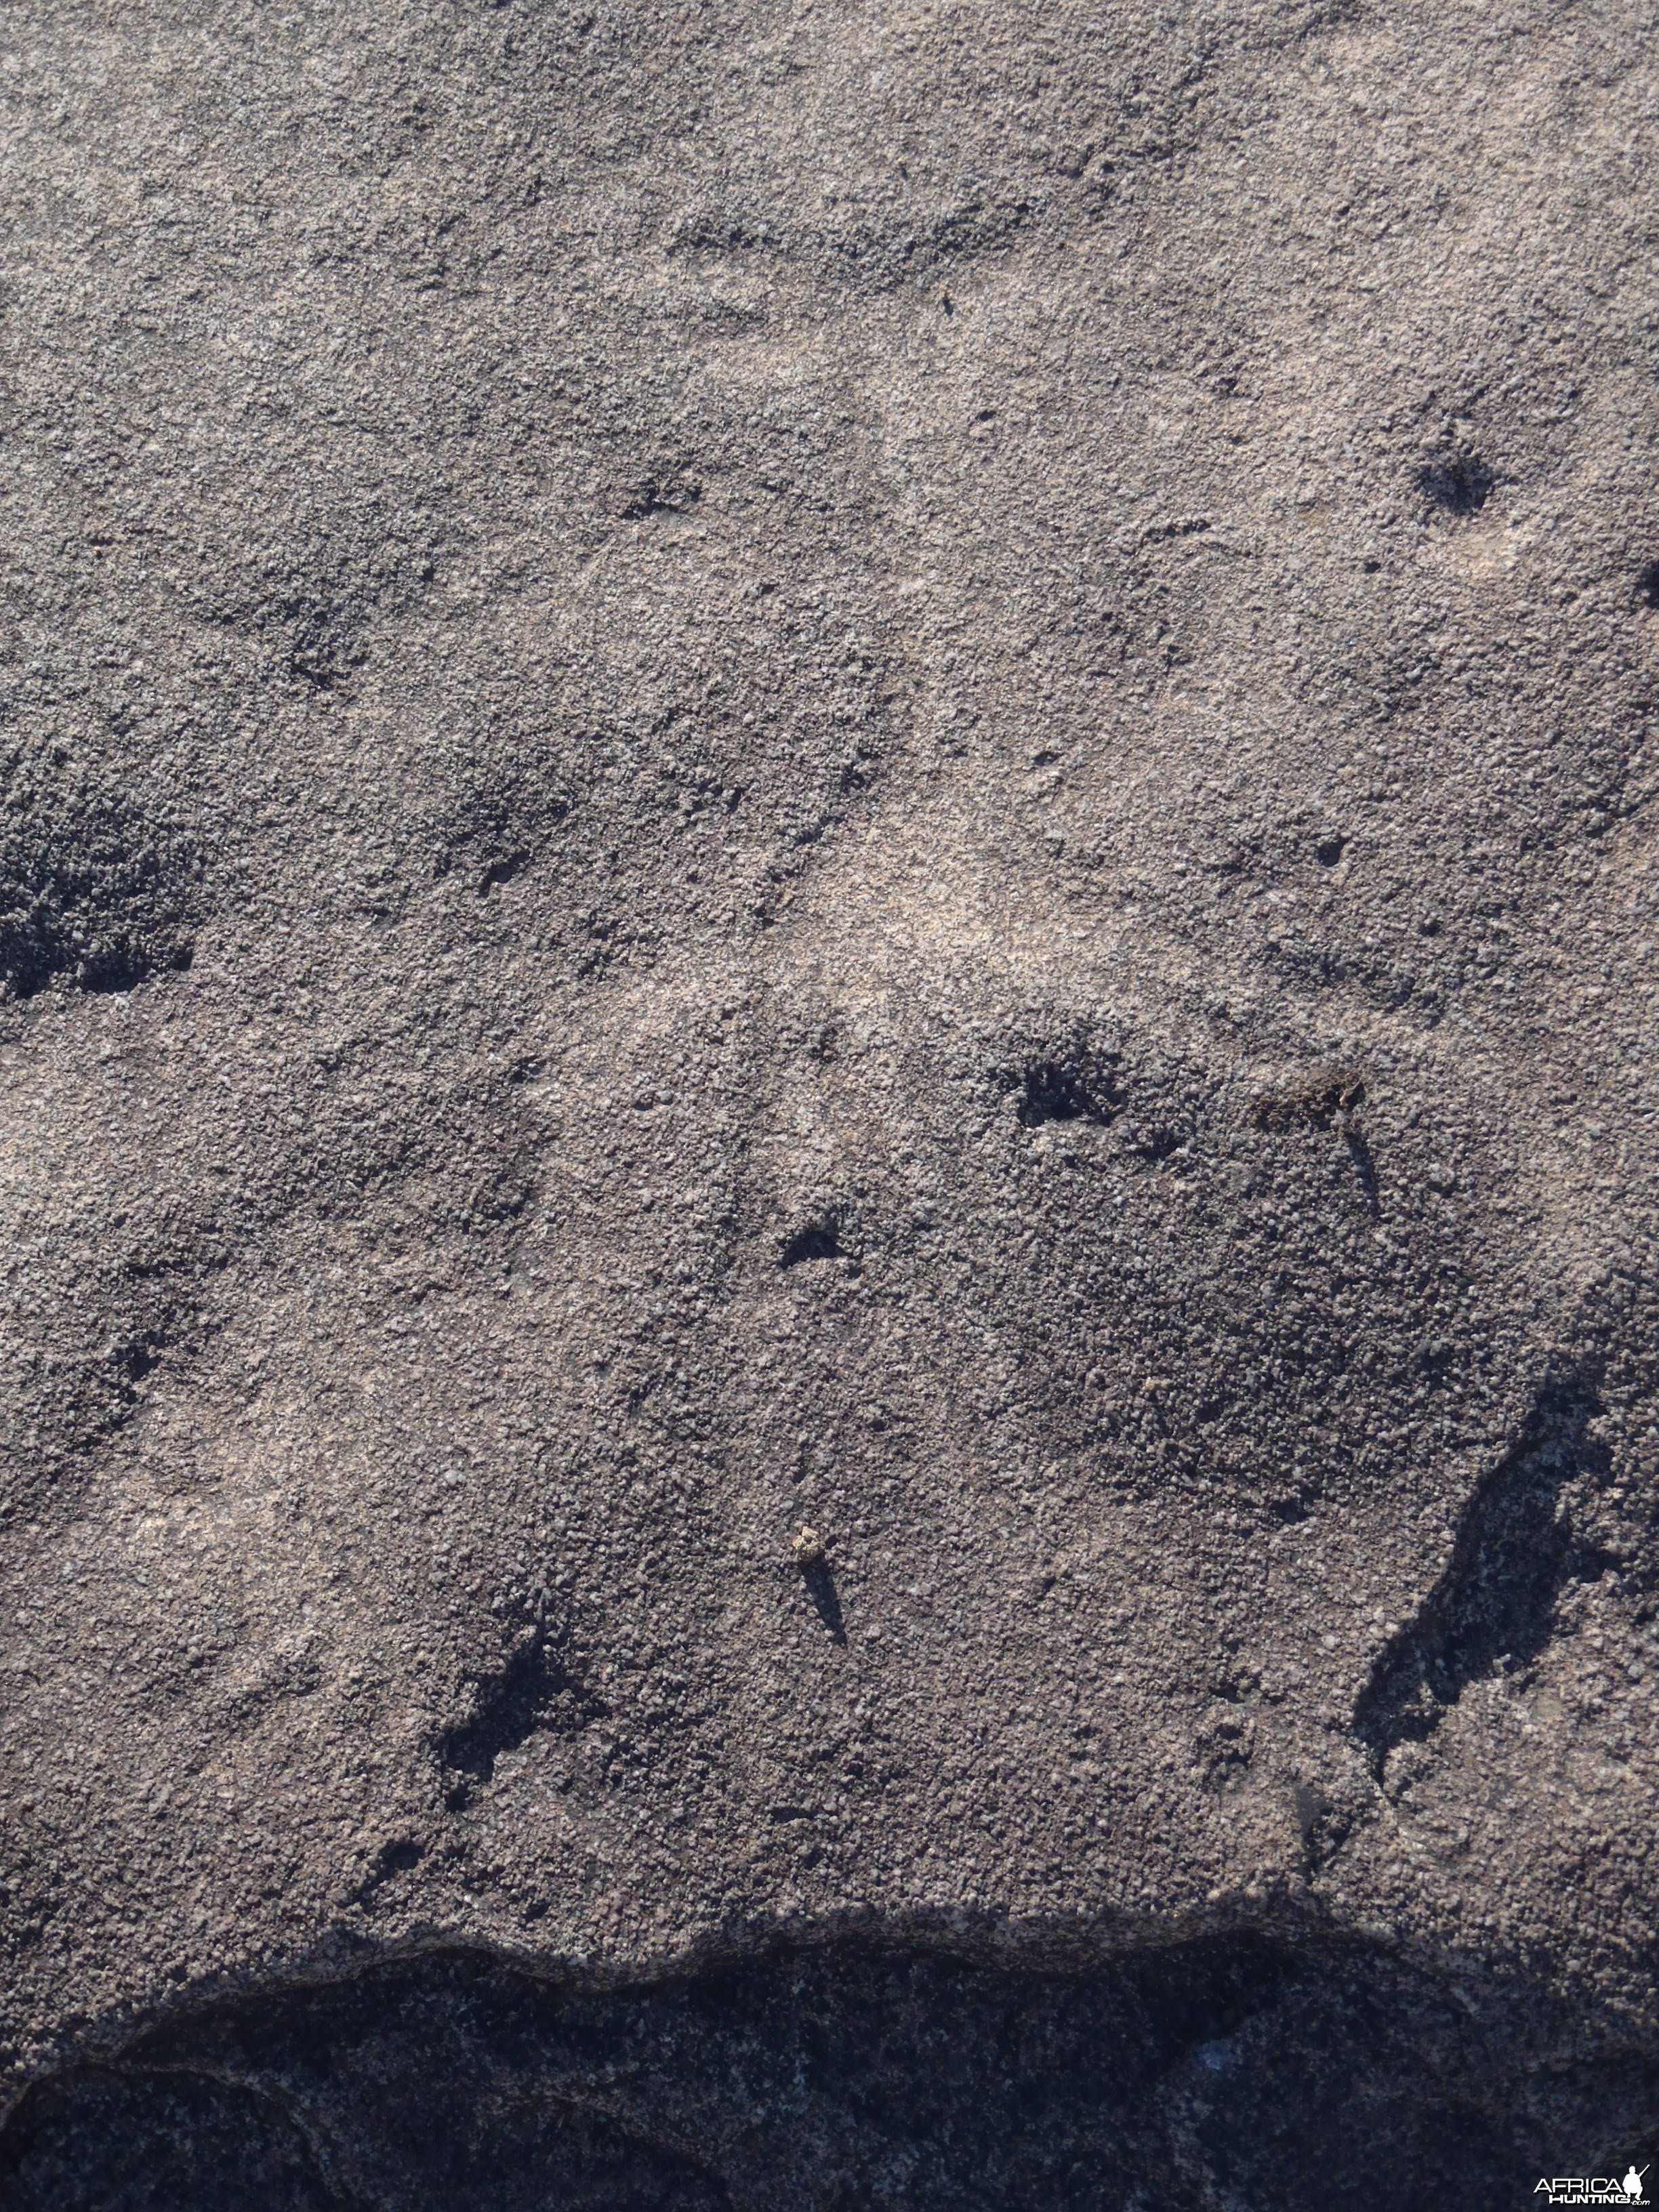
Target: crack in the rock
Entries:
(1514, 1553)
(532, 1691)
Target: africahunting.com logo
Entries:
(1594, 2189)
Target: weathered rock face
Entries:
(1231, 2069)
(878, 772)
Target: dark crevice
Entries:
(1494, 1605)
(818, 1240)
(502, 872)
(1075, 1088)
(532, 1692)
(1460, 485)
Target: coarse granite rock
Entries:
(826, 1017)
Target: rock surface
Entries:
(826, 903)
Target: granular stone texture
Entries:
(827, 967)
(1232, 2069)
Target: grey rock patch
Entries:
(806, 772)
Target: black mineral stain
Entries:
(1515, 1553)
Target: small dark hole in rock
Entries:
(1330, 850)
(819, 1240)
(502, 872)
(660, 496)
(135, 1361)
(1461, 485)
(1647, 585)
(399, 1857)
(1055, 1092)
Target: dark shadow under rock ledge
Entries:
(1243, 2069)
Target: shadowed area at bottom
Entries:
(1251, 2069)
